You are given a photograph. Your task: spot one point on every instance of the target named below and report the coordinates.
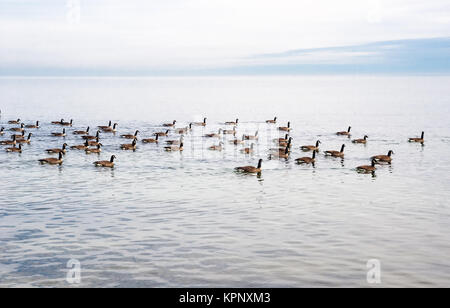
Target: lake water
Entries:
(188, 220)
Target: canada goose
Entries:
(9, 142)
(175, 142)
(274, 121)
(151, 140)
(250, 169)
(336, 153)
(216, 147)
(58, 122)
(129, 147)
(286, 144)
(14, 122)
(184, 130)
(200, 123)
(250, 137)
(27, 141)
(130, 136)
(52, 161)
(21, 136)
(63, 134)
(14, 149)
(94, 143)
(229, 132)
(97, 136)
(237, 141)
(285, 139)
(106, 163)
(248, 150)
(367, 169)
(2, 131)
(33, 126)
(162, 134)
(384, 158)
(96, 150)
(82, 132)
(214, 135)
(281, 153)
(307, 160)
(174, 148)
(361, 141)
(80, 147)
(111, 129)
(67, 123)
(418, 140)
(104, 127)
(18, 129)
(57, 151)
(232, 123)
(170, 124)
(307, 148)
(347, 133)
(285, 128)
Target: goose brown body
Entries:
(9, 142)
(418, 140)
(216, 147)
(200, 123)
(336, 153)
(307, 160)
(361, 141)
(384, 158)
(130, 136)
(151, 140)
(33, 126)
(129, 147)
(285, 128)
(96, 150)
(14, 121)
(345, 133)
(307, 148)
(370, 168)
(14, 149)
(18, 129)
(27, 141)
(251, 169)
(57, 151)
(63, 134)
(106, 163)
(82, 132)
(162, 134)
(174, 148)
(80, 147)
(170, 124)
(274, 121)
(110, 129)
(52, 161)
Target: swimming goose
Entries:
(33, 126)
(418, 140)
(174, 148)
(129, 147)
(27, 141)
(63, 134)
(285, 144)
(58, 122)
(214, 135)
(52, 161)
(82, 132)
(151, 140)
(216, 147)
(94, 143)
(336, 153)
(21, 136)
(14, 122)
(96, 150)
(281, 153)
(250, 169)
(106, 163)
(57, 151)
(67, 123)
(162, 134)
(97, 136)
(130, 136)
(307, 160)
(175, 142)
(105, 127)
(307, 148)
(200, 123)
(229, 132)
(248, 150)
(361, 141)
(80, 147)
(111, 129)
(252, 137)
(347, 133)
(18, 129)
(2, 131)
(285, 128)
(170, 124)
(9, 142)
(232, 123)
(14, 149)
(237, 141)
(384, 158)
(367, 169)
(285, 139)
(184, 130)
(274, 121)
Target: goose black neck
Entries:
(260, 163)
(342, 148)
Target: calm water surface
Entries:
(169, 219)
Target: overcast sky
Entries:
(45, 36)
